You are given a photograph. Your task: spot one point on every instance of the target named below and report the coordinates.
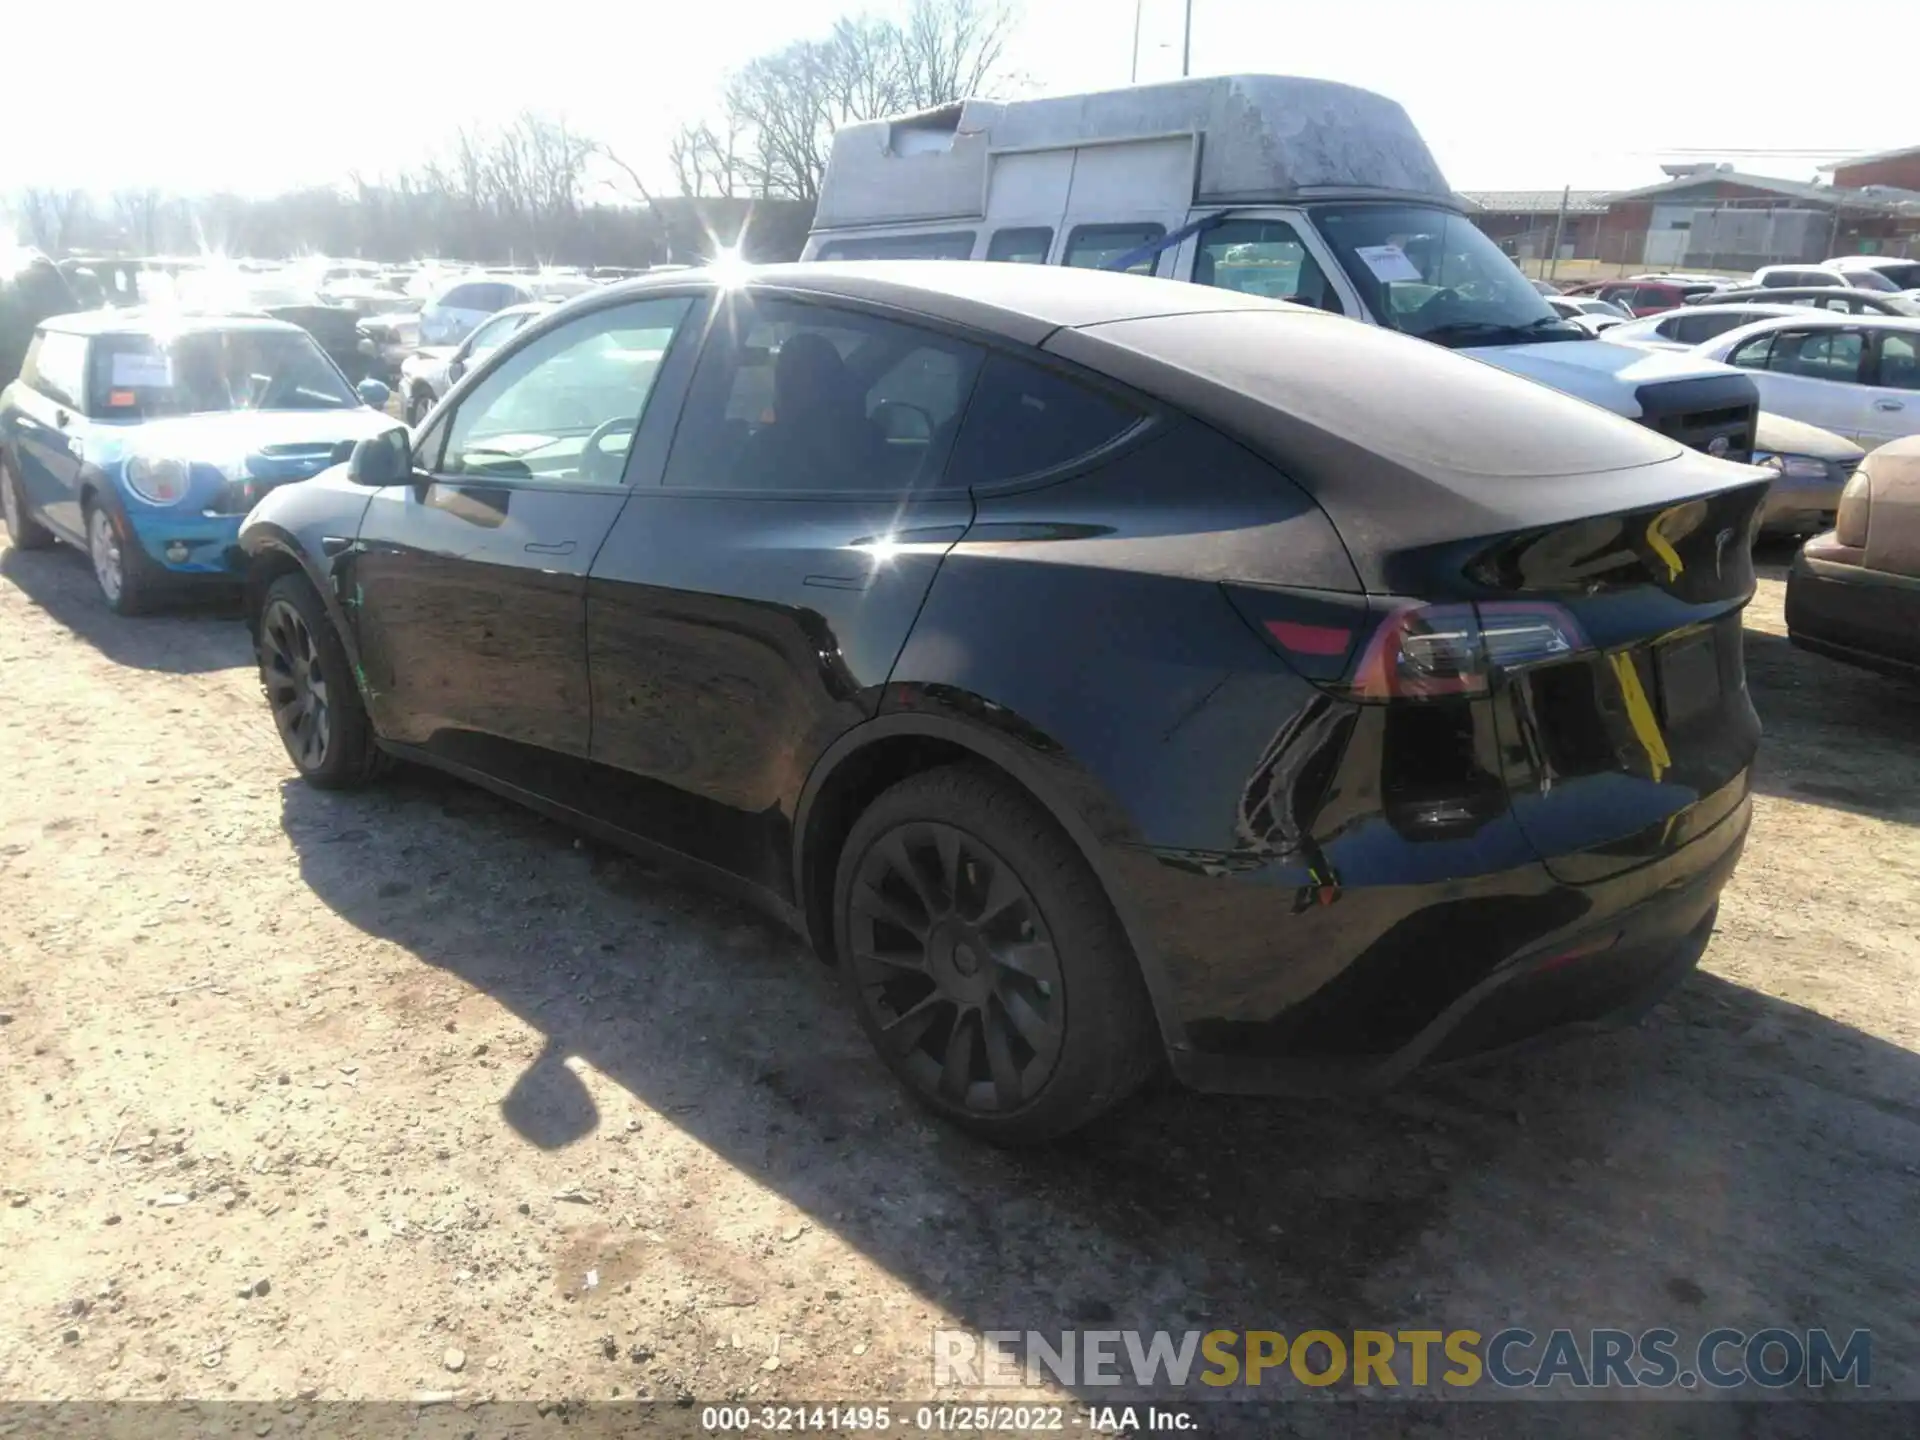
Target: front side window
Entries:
(1818, 354)
(60, 366)
(1752, 354)
(564, 409)
(1021, 245)
(201, 372)
(1094, 247)
(954, 245)
(1263, 257)
(1433, 274)
(1899, 361)
(797, 397)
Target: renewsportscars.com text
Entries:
(1509, 1359)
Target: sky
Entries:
(201, 95)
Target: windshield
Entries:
(209, 371)
(1429, 273)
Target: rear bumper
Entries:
(1852, 614)
(1633, 937)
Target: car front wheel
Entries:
(310, 688)
(985, 962)
(120, 567)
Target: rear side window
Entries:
(1094, 247)
(1021, 245)
(799, 397)
(952, 245)
(1024, 420)
(1899, 362)
(1696, 329)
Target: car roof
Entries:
(141, 320)
(1024, 303)
(1821, 320)
(1746, 307)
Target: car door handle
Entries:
(1889, 404)
(558, 547)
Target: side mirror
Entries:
(384, 460)
(456, 367)
(373, 393)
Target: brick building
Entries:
(1523, 222)
(1715, 216)
(1897, 169)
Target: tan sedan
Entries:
(1854, 592)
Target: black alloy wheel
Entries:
(985, 960)
(296, 685)
(311, 690)
(954, 963)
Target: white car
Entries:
(1802, 277)
(1589, 312)
(1899, 271)
(427, 375)
(1856, 375)
(1695, 325)
(451, 315)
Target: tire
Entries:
(23, 531)
(985, 962)
(311, 689)
(129, 582)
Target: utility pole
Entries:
(1133, 78)
(1186, 44)
(1559, 224)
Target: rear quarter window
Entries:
(1024, 420)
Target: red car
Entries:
(1644, 297)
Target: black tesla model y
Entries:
(1098, 671)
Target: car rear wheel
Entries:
(985, 962)
(23, 531)
(311, 691)
(120, 567)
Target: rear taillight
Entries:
(1421, 652)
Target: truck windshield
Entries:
(1429, 273)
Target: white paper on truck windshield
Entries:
(1389, 263)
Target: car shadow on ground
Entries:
(1734, 1160)
(196, 632)
(1836, 735)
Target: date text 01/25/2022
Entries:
(945, 1419)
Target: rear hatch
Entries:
(1640, 738)
(1553, 583)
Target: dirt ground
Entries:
(409, 1091)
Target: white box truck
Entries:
(1304, 190)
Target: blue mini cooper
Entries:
(146, 438)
